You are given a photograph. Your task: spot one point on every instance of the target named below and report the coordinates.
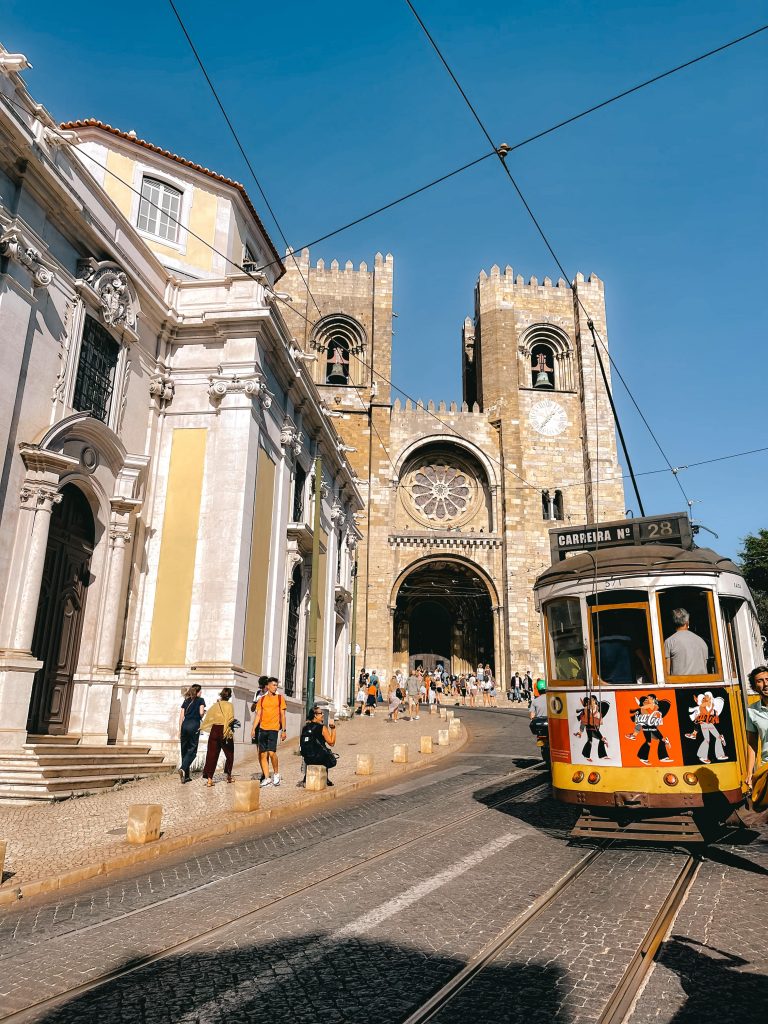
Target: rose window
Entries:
(440, 492)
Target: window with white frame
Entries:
(160, 209)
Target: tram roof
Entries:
(645, 560)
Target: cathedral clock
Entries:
(548, 418)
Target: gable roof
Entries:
(92, 122)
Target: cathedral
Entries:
(459, 500)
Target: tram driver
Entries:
(685, 653)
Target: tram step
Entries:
(677, 828)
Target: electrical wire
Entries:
(502, 153)
(240, 146)
(704, 462)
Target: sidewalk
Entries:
(53, 845)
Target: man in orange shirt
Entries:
(270, 721)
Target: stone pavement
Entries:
(89, 831)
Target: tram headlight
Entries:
(593, 778)
(670, 779)
(690, 779)
(578, 776)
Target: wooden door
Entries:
(60, 611)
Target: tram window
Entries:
(566, 640)
(729, 609)
(688, 628)
(621, 644)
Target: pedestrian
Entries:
(757, 739)
(514, 692)
(190, 717)
(219, 723)
(528, 686)
(375, 681)
(370, 700)
(485, 685)
(395, 698)
(261, 689)
(360, 698)
(271, 723)
(492, 691)
(472, 686)
(412, 691)
(316, 741)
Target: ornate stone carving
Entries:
(13, 63)
(57, 394)
(342, 448)
(290, 438)
(124, 392)
(37, 495)
(118, 307)
(120, 536)
(163, 388)
(337, 512)
(252, 385)
(16, 247)
(440, 492)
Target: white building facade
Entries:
(159, 430)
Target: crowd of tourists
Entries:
(406, 695)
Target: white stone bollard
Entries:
(3, 851)
(432, 709)
(400, 753)
(426, 745)
(449, 715)
(443, 738)
(443, 713)
(247, 795)
(364, 764)
(144, 823)
(454, 729)
(317, 777)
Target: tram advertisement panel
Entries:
(557, 711)
(650, 734)
(705, 724)
(593, 730)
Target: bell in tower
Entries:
(543, 375)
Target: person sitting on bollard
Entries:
(316, 741)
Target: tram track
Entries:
(33, 1010)
(635, 974)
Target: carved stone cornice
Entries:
(120, 536)
(112, 289)
(163, 388)
(252, 385)
(16, 246)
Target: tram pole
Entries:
(619, 431)
(314, 589)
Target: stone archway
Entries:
(60, 611)
(443, 613)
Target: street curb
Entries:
(226, 827)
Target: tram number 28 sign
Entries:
(669, 529)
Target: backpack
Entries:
(313, 749)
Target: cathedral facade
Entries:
(459, 498)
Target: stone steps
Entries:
(57, 767)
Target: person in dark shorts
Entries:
(270, 722)
(370, 700)
(316, 741)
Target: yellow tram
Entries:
(648, 643)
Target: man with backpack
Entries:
(316, 741)
(270, 722)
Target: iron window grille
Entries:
(95, 381)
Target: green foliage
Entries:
(754, 564)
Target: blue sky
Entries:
(343, 106)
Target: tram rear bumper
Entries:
(629, 800)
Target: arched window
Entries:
(337, 362)
(552, 505)
(557, 505)
(542, 367)
(546, 507)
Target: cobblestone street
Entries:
(366, 907)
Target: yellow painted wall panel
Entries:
(258, 575)
(173, 593)
(202, 220)
(121, 194)
(321, 613)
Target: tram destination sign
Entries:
(670, 529)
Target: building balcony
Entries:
(302, 534)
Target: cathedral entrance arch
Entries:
(60, 610)
(443, 614)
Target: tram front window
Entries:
(621, 640)
(688, 629)
(566, 640)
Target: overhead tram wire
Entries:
(239, 144)
(502, 151)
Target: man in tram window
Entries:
(648, 719)
(685, 653)
(706, 715)
(590, 719)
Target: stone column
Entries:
(37, 501)
(113, 613)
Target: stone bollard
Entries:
(449, 715)
(247, 795)
(3, 851)
(317, 777)
(432, 709)
(454, 729)
(443, 738)
(364, 764)
(400, 753)
(144, 823)
(426, 745)
(443, 713)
